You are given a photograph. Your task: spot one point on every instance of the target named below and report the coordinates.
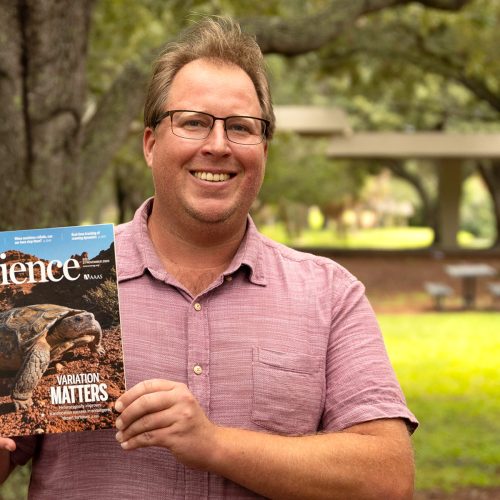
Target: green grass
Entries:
(448, 366)
(16, 486)
(391, 238)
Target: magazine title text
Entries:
(25, 272)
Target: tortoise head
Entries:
(74, 326)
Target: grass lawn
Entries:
(390, 238)
(447, 364)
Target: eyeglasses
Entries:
(197, 125)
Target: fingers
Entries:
(146, 430)
(160, 413)
(7, 444)
(145, 398)
(144, 405)
(140, 389)
(147, 408)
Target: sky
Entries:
(59, 243)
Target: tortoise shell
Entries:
(21, 327)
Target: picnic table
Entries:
(469, 273)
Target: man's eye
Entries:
(240, 128)
(194, 124)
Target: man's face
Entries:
(181, 195)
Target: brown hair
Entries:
(215, 38)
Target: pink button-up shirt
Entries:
(283, 342)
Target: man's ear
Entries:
(148, 145)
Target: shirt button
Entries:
(229, 278)
(198, 369)
(197, 306)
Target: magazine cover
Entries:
(61, 362)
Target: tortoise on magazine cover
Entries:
(33, 336)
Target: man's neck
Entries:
(197, 247)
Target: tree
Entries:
(490, 173)
(298, 175)
(438, 71)
(51, 154)
(53, 146)
(41, 129)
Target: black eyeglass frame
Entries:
(214, 118)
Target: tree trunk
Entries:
(42, 95)
(491, 175)
(429, 208)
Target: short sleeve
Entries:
(360, 382)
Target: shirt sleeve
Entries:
(360, 382)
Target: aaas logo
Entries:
(92, 276)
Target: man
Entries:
(254, 370)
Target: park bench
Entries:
(438, 291)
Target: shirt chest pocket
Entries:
(288, 391)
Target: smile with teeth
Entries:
(209, 176)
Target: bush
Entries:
(103, 302)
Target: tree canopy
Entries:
(73, 76)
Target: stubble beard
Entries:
(206, 217)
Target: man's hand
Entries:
(368, 460)
(6, 446)
(165, 413)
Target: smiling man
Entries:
(207, 171)
(253, 370)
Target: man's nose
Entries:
(217, 141)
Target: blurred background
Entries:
(386, 159)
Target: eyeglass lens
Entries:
(197, 125)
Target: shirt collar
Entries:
(136, 253)
(250, 255)
(134, 250)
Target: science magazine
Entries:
(61, 358)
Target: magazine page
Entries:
(61, 361)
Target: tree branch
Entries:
(443, 63)
(398, 169)
(452, 5)
(404, 44)
(107, 130)
(304, 34)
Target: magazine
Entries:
(61, 358)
